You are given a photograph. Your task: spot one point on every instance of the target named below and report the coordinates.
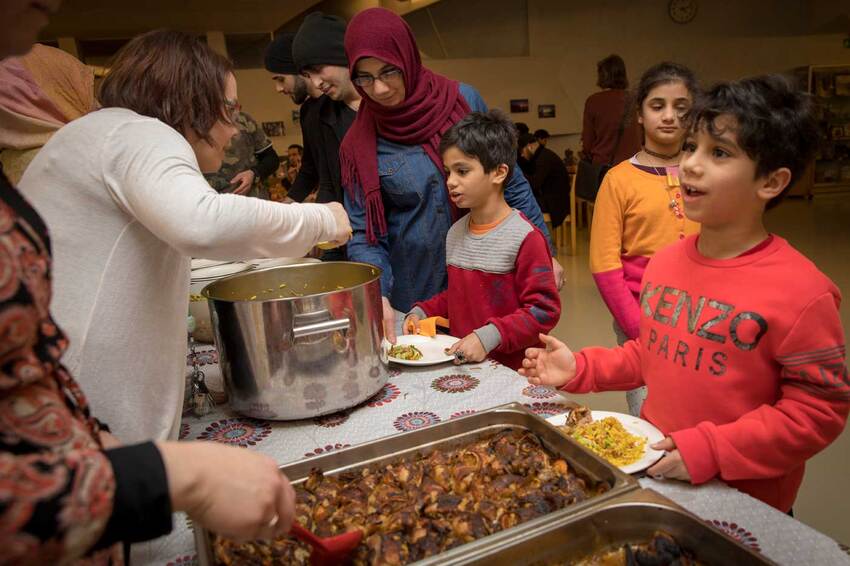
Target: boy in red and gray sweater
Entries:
(501, 293)
(740, 341)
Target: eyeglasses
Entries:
(384, 76)
(233, 108)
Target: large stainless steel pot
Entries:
(301, 340)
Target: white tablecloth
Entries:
(417, 397)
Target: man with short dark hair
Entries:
(295, 151)
(288, 81)
(542, 136)
(548, 177)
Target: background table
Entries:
(417, 397)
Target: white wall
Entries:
(727, 40)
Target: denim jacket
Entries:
(413, 253)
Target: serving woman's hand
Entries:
(554, 365)
(343, 226)
(235, 492)
(389, 320)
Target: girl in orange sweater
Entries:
(639, 208)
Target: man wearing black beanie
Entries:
(280, 63)
(319, 55)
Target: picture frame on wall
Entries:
(842, 85)
(296, 116)
(519, 105)
(274, 129)
(824, 86)
(545, 110)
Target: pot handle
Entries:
(321, 327)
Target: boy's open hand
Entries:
(411, 325)
(467, 350)
(555, 366)
(671, 466)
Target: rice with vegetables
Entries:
(609, 439)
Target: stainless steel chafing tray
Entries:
(448, 435)
(631, 518)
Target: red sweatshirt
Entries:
(745, 363)
(501, 287)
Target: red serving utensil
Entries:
(328, 551)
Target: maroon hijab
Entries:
(432, 104)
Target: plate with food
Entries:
(621, 439)
(415, 350)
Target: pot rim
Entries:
(206, 293)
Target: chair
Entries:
(583, 209)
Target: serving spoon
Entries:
(328, 551)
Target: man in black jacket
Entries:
(548, 177)
(280, 63)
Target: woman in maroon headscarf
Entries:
(395, 187)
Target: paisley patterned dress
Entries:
(56, 483)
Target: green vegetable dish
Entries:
(405, 352)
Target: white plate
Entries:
(202, 263)
(432, 349)
(280, 261)
(633, 425)
(216, 271)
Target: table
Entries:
(417, 397)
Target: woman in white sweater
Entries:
(123, 193)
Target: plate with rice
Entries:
(621, 439)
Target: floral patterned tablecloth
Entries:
(417, 397)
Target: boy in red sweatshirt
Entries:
(740, 341)
(501, 293)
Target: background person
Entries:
(605, 113)
(39, 93)
(249, 160)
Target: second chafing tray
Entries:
(451, 434)
(631, 518)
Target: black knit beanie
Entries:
(320, 41)
(279, 55)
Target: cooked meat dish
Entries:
(421, 506)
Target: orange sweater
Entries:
(632, 220)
